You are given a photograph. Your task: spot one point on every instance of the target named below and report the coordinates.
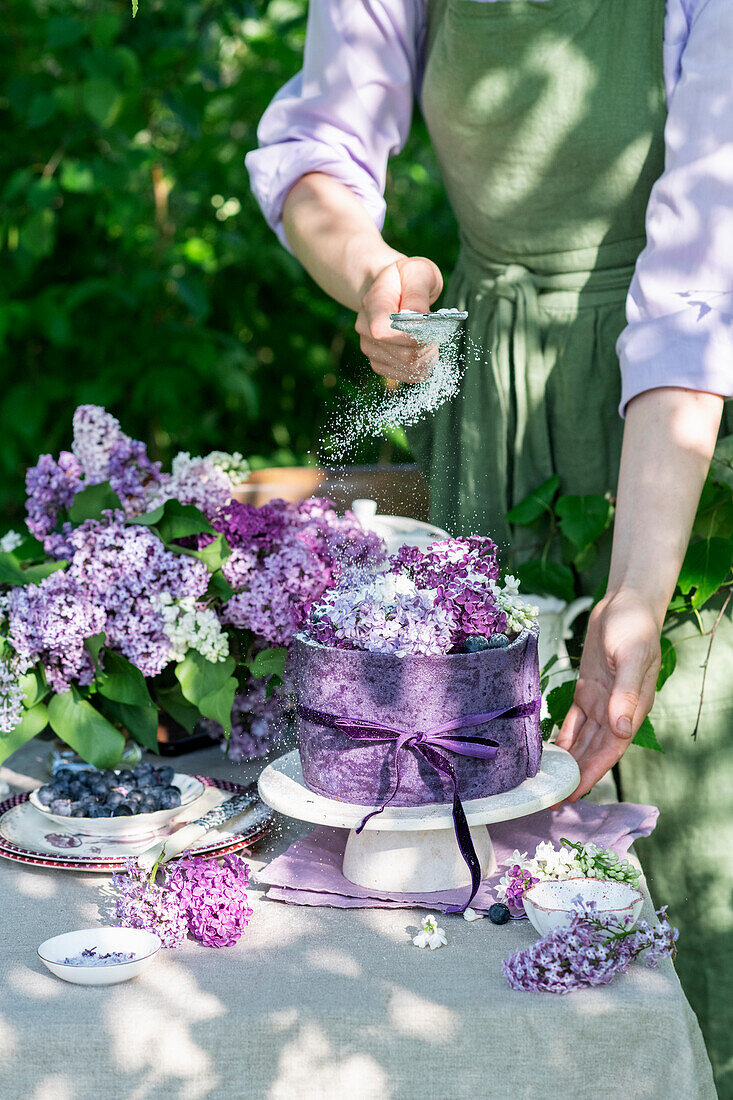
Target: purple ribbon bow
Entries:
(431, 745)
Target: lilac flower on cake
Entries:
(49, 622)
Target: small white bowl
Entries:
(144, 945)
(549, 903)
(190, 787)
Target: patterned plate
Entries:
(24, 837)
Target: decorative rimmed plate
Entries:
(136, 825)
(25, 838)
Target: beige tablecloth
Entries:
(322, 1003)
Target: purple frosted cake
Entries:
(416, 692)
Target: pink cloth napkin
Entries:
(309, 872)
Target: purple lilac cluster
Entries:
(428, 602)
(284, 557)
(102, 452)
(590, 950)
(198, 896)
(214, 898)
(514, 884)
(256, 721)
(51, 487)
(49, 622)
(124, 571)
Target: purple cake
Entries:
(415, 693)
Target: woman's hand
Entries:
(410, 283)
(615, 690)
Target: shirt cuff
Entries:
(274, 169)
(692, 350)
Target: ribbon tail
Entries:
(460, 824)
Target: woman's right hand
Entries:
(411, 283)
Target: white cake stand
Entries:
(414, 849)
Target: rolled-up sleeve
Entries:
(680, 303)
(350, 107)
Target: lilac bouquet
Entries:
(445, 599)
(570, 860)
(590, 950)
(138, 591)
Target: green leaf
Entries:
(174, 520)
(209, 686)
(583, 519)
(585, 558)
(537, 504)
(34, 574)
(34, 686)
(721, 467)
(669, 662)
(173, 702)
(30, 549)
(646, 738)
(134, 8)
(706, 566)
(123, 682)
(91, 502)
(85, 730)
(33, 721)
(11, 572)
(102, 100)
(547, 579)
(219, 587)
(141, 723)
(215, 554)
(559, 701)
(93, 645)
(269, 662)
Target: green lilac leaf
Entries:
(559, 701)
(706, 566)
(669, 662)
(174, 703)
(89, 503)
(123, 682)
(583, 519)
(646, 738)
(537, 503)
(141, 723)
(34, 720)
(548, 578)
(85, 730)
(209, 685)
(34, 687)
(269, 662)
(215, 554)
(174, 520)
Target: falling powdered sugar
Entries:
(371, 415)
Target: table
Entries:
(322, 1003)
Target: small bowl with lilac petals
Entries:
(99, 956)
(549, 903)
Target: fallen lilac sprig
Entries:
(198, 897)
(590, 950)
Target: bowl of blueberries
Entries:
(132, 802)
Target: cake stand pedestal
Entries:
(413, 849)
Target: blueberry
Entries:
(169, 797)
(499, 914)
(123, 810)
(46, 794)
(475, 643)
(99, 811)
(498, 641)
(61, 806)
(114, 799)
(126, 776)
(135, 798)
(78, 809)
(165, 774)
(149, 805)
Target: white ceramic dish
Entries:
(143, 945)
(191, 790)
(548, 904)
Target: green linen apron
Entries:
(547, 118)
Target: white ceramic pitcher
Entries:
(556, 619)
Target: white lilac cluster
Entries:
(95, 434)
(570, 860)
(189, 624)
(197, 481)
(383, 613)
(10, 541)
(11, 695)
(519, 615)
(234, 465)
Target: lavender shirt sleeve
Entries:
(680, 303)
(350, 107)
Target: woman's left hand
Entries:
(616, 685)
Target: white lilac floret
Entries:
(431, 935)
(591, 950)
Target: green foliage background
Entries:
(135, 268)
